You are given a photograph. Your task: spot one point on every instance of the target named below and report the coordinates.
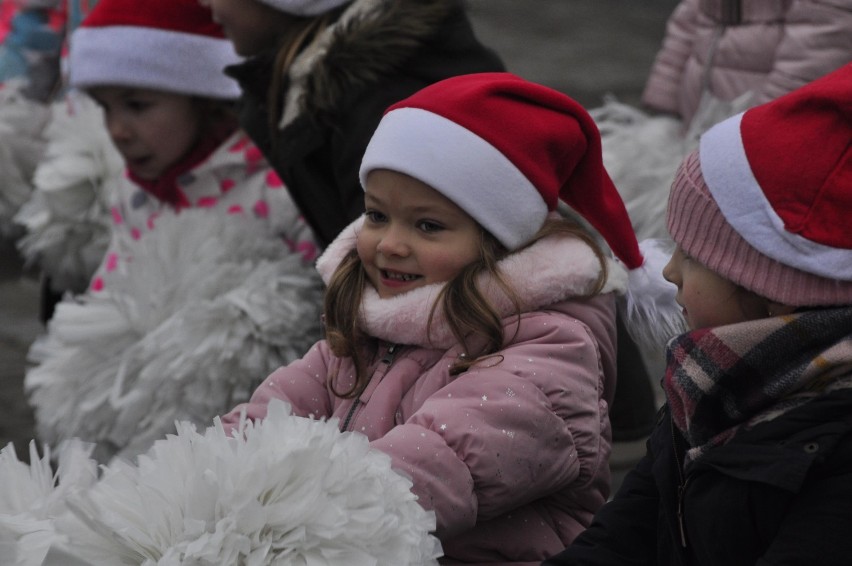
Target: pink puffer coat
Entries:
(512, 455)
(766, 47)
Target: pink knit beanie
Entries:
(766, 200)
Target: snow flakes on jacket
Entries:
(512, 455)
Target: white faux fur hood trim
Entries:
(549, 271)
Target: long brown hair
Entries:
(466, 309)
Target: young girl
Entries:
(321, 72)
(470, 334)
(176, 320)
(751, 462)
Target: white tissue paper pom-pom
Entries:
(66, 218)
(287, 490)
(32, 496)
(208, 307)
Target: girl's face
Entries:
(250, 25)
(151, 129)
(709, 300)
(413, 235)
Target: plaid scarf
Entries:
(721, 379)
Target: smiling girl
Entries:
(469, 329)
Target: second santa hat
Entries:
(169, 45)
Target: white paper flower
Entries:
(291, 490)
(33, 496)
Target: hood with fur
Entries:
(371, 38)
(549, 271)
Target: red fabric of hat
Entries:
(504, 150)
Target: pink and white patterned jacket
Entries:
(235, 178)
(512, 455)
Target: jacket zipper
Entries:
(681, 488)
(385, 362)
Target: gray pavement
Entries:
(584, 48)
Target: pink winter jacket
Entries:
(766, 47)
(512, 455)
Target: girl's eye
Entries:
(374, 216)
(138, 105)
(429, 226)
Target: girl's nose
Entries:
(118, 129)
(392, 243)
(670, 271)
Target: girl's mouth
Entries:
(397, 276)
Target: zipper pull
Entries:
(387, 359)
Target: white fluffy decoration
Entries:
(32, 497)
(207, 307)
(650, 312)
(67, 216)
(22, 122)
(288, 490)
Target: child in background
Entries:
(469, 329)
(718, 58)
(321, 72)
(751, 462)
(112, 358)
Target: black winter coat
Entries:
(780, 493)
(377, 53)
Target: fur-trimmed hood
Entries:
(370, 39)
(552, 270)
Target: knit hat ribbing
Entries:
(304, 7)
(169, 45)
(765, 200)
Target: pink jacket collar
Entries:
(550, 271)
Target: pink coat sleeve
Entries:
(302, 384)
(508, 431)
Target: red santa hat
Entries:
(169, 45)
(304, 7)
(766, 201)
(506, 150)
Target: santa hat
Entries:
(169, 45)
(506, 150)
(304, 7)
(766, 200)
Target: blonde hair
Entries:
(466, 309)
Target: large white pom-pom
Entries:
(288, 490)
(33, 496)
(209, 306)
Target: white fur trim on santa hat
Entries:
(726, 170)
(495, 192)
(304, 7)
(151, 58)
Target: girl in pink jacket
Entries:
(469, 329)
